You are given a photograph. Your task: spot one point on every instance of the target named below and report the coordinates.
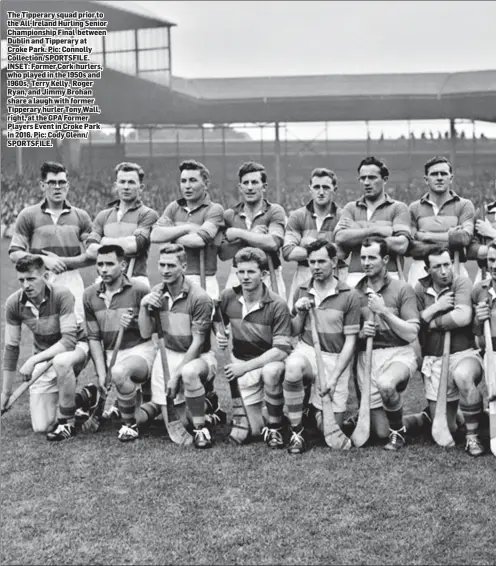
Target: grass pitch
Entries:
(95, 500)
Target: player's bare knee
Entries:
(294, 370)
(272, 374)
(191, 378)
(119, 377)
(386, 388)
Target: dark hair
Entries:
(193, 165)
(324, 172)
(111, 249)
(177, 249)
(434, 161)
(371, 160)
(492, 245)
(252, 254)
(126, 166)
(436, 251)
(383, 247)
(51, 167)
(252, 167)
(29, 262)
(318, 245)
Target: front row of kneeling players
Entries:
(273, 358)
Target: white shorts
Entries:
(382, 358)
(354, 277)
(44, 395)
(48, 382)
(303, 274)
(251, 385)
(417, 271)
(173, 360)
(233, 281)
(340, 397)
(146, 350)
(211, 283)
(74, 282)
(431, 372)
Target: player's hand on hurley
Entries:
(27, 368)
(376, 304)
(234, 370)
(446, 301)
(369, 329)
(303, 305)
(152, 300)
(126, 319)
(53, 262)
(222, 340)
(482, 311)
(173, 386)
(329, 387)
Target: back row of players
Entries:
(272, 350)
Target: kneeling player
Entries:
(445, 304)
(260, 325)
(337, 315)
(395, 328)
(106, 306)
(185, 311)
(48, 311)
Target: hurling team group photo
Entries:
(381, 292)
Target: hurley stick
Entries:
(23, 388)
(334, 436)
(240, 424)
(440, 429)
(362, 430)
(272, 274)
(175, 428)
(203, 278)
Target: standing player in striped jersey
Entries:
(185, 311)
(254, 222)
(439, 218)
(56, 230)
(48, 311)
(374, 214)
(316, 220)
(106, 306)
(260, 325)
(127, 222)
(395, 328)
(485, 231)
(337, 316)
(195, 222)
(445, 303)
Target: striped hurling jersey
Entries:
(389, 213)
(425, 217)
(264, 327)
(477, 240)
(337, 316)
(432, 340)
(208, 215)
(103, 323)
(302, 223)
(35, 230)
(400, 299)
(137, 222)
(53, 321)
(189, 313)
(481, 292)
(271, 215)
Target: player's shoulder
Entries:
(228, 295)
(60, 292)
(276, 299)
(462, 282)
(91, 290)
(197, 292)
(31, 211)
(13, 300)
(481, 287)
